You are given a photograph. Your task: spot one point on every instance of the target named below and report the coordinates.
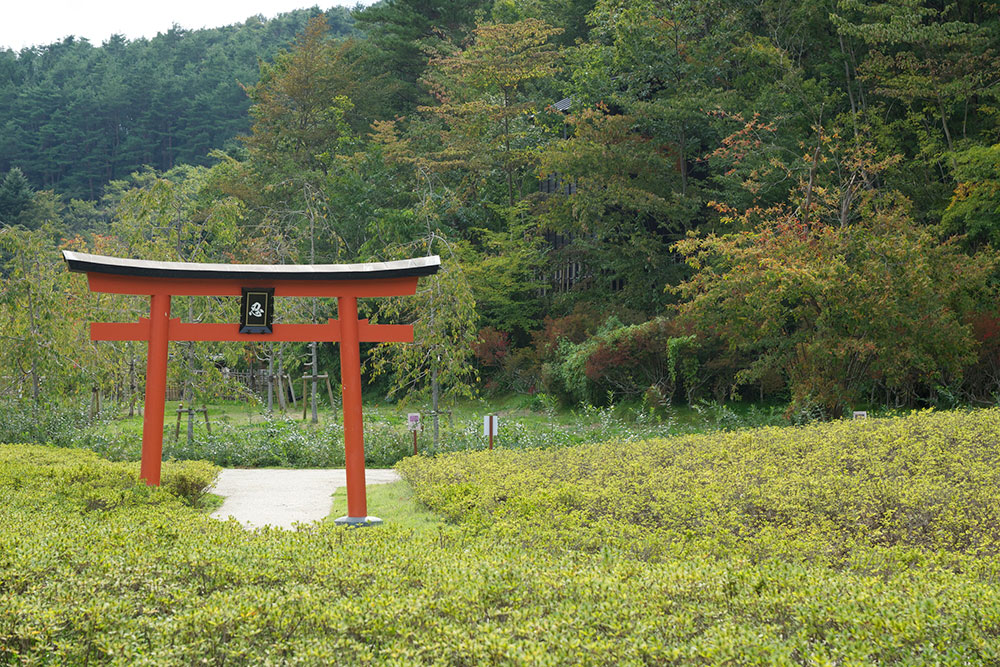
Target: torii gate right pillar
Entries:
(354, 441)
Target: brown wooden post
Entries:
(281, 392)
(177, 427)
(329, 391)
(305, 403)
(291, 389)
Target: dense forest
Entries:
(76, 116)
(649, 200)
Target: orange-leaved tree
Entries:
(844, 312)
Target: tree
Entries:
(39, 305)
(484, 113)
(471, 158)
(177, 216)
(469, 163)
(15, 196)
(569, 16)
(844, 313)
(933, 64)
(621, 213)
(403, 31)
(974, 210)
(503, 269)
(443, 312)
(310, 98)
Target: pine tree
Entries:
(15, 196)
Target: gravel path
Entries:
(280, 497)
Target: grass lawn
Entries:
(395, 502)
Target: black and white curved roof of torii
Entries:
(403, 268)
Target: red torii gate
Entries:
(347, 282)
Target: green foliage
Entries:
(15, 195)
(835, 309)
(568, 373)
(303, 100)
(859, 543)
(975, 206)
(51, 422)
(77, 115)
(483, 122)
(682, 363)
(39, 353)
(626, 361)
(934, 60)
(179, 216)
(188, 480)
(404, 30)
(568, 16)
(905, 493)
(275, 443)
(504, 275)
(280, 441)
(443, 313)
(620, 212)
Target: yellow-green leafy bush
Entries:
(188, 480)
(842, 493)
(148, 580)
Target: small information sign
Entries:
(860, 414)
(413, 421)
(257, 310)
(490, 424)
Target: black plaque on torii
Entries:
(257, 310)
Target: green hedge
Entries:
(924, 486)
(686, 551)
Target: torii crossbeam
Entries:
(346, 282)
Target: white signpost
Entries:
(413, 424)
(413, 421)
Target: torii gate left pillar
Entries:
(346, 282)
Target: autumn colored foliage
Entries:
(872, 310)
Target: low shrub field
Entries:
(846, 543)
(846, 494)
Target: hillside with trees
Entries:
(647, 200)
(75, 116)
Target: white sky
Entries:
(39, 22)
